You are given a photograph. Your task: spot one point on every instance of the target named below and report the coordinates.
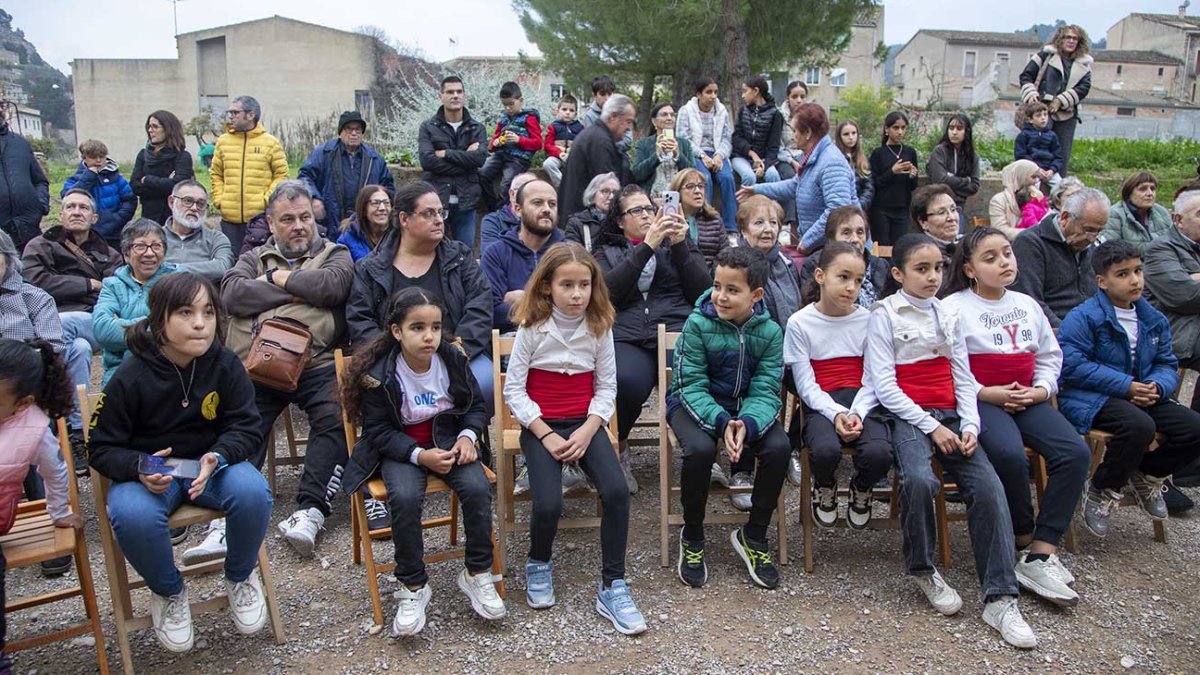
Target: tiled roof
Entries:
(1134, 56)
(984, 37)
(1173, 20)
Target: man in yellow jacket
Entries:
(247, 165)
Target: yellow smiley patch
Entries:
(209, 408)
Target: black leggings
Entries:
(637, 373)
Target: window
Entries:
(1119, 68)
(1126, 112)
(363, 102)
(965, 97)
(812, 76)
(969, 64)
(837, 77)
(557, 91)
(1002, 59)
(1160, 72)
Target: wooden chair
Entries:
(363, 536)
(33, 539)
(881, 251)
(979, 221)
(808, 521)
(508, 433)
(294, 441)
(121, 584)
(669, 494)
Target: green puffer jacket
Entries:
(1122, 225)
(725, 372)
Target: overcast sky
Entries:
(143, 28)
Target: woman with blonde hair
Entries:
(1060, 75)
(705, 226)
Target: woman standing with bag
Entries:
(1060, 75)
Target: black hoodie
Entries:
(141, 412)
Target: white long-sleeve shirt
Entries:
(543, 347)
(1014, 324)
(904, 330)
(813, 336)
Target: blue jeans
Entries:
(987, 513)
(481, 368)
(724, 181)
(1044, 429)
(461, 225)
(745, 170)
(81, 344)
(139, 520)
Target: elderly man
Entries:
(247, 165)
(191, 246)
(453, 146)
(1055, 256)
(595, 152)
(505, 218)
(337, 170)
(24, 192)
(305, 279)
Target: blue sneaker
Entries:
(616, 605)
(539, 584)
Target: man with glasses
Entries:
(191, 246)
(453, 147)
(247, 165)
(1055, 256)
(339, 168)
(595, 152)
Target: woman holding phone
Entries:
(659, 156)
(182, 395)
(704, 223)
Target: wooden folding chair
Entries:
(33, 539)
(881, 251)
(668, 493)
(121, 584)
(508, 433)
(294, 441)
(808, 521)
(363, 536)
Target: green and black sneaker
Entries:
(692, 570)
(757, 558)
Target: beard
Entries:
(187, 220)
(536, 227)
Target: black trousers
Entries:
(888, 224)
(637, 373)
(874, 446)
(1133, 430)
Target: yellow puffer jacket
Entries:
(246, 166)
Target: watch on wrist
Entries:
(271, 275)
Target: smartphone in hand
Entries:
(174, 467)
(670, 204)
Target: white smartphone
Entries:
(670, 202)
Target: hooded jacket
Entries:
(327, 174)
(458, 172)
(824, 183)
(1068, 89)
(508, 264)
(495, 224)
(383, 434)
(1123, 224)
(1003, 211)
(759, 128)
(724, 371)
(465, 293)
(152, 178)
(947, 166)
(51, 266)
(24, 189)
(115, 201)
(141, 412)
(1040, 146)
(583, 228)
(246, 166)
(122, 303)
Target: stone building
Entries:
(858, 64)
(1175, 35)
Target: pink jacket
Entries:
(1033, 212)
(25, 439)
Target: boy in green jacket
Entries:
(726, 386)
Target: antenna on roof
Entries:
(175, 13)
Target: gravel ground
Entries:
(856, 613)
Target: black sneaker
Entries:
(1177, 502)
(1188, 476)
(691, 569)
(178, 535)
(757, 558)
(378, 517)
(79, 453)
(56, 567)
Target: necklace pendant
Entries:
(183, 403)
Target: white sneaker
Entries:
(247, 604)
(301, 530)
(943, 598)
(410, 615)
(172, 621)
(480, 589)
(717, 475)
(1063, 572)
(741, 501)
(795, 469)
(212, 548)
(1043, 577)
(1004, 616)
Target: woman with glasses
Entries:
(1060, 75)
(161, 165)
(934, 211)
(655, 273)
(584, 227)
(372, 217)
(417, 252)
(705, 226)
(123, 296)
(660, 155)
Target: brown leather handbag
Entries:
(279, 353)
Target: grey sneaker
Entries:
(573, 478)
(718, 476)
(301, 529)
(480, 589)
(616, 605)
(824, 507)
(247, 604)
(630, 481)
(742, 501)
(1149, 492)
(410, 612)
(212, 548)
(795, 470)
(172, 620)
(1096, 506)
(522, 482)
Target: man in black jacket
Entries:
(452, 147)
(24, 190)
(595, 152)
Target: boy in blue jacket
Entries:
(1038, 143)
(1119, 375)
(100, 176)
(727, 380)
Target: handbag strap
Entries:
(1037, 82)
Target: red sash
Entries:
(929, 383)
(559, 395)
(839, 373)
(421, 432)
(993, 370)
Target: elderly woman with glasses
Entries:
(655, 273)
(705, 226)
(123, 296)
(584, 227)
(934, 211)
(661, 154)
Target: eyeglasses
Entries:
(942, 213)
(431, 214)
(352, 129)
(690, 187)
(192, 202)
(140, 248)
(1070, 37)
(640, 210)
(664, 113)
(376, 203)
(607, 192)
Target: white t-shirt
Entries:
(425, 394)
(1129, 321)
(455, 125)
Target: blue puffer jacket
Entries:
(508, 264)
(1097, 364)
(354, 239)
(115, 201)
(321, 176)
(122, 303)
(1040, 146)
(824, 183)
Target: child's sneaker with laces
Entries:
(824, 506)
(615, 604)
(858, 511)
(1096, 507)
(539, 584)
(480, 589)
(410, 614)
(940, 594)
(1044, 578)
(691, 569)
(212, 548)
(1149, 492)
(758, 560)
(1003, 615)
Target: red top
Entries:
(994, 370)
(929, 383)
(421, 432)
(559, 395)
(839, 373)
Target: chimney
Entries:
(1183, 8)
